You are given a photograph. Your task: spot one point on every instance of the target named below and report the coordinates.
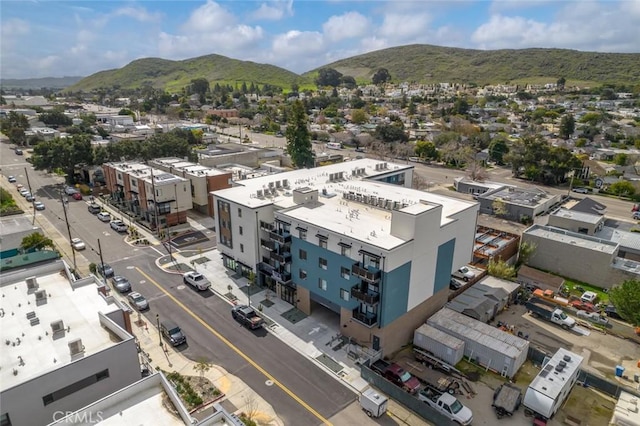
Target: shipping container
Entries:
(485, 345)
(443, 346)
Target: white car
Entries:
(77, 244)
(581, 190)
(24, 192)
(118, 225)
(197, 280)
(593, 317)
(467, 274)
(104, 217)
(70, 190)
(589, 297)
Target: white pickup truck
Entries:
(197, 280)
(447, 404)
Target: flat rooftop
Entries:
(515, 195)
(188, 166)
(578, 216)
(25, 323)
(572, 238)
(16, 223)
(144, 172)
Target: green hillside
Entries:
(38, 83)
(174, 75)
(426, 63)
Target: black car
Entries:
(18, 151)
(612, 312)
(454, 285)
(93, 208)
(105, 270)
(172, 333)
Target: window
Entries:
(240, 230)
(322, 263)
(345, 251)
(302, 254)
(241, 248)
(134, 183)
(344, 294)
(303, 274)
(322, 242)
(302, 233)
(158, 192)
(5, 420)
(119, 176)
(345, 273)
(239, 212)
(75, 387)
(322, 284)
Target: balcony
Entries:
(268, 245)
(369, 298)
(265, 226)
(365, 274)
(367, 319)
(280, 257)
(280, 237)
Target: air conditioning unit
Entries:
(259, 193)
(32, 283)
(278, 184)
(57, 326)
(76, 347)
(41, 295)
(285, 183)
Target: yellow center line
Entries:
(236, 350)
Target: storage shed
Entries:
(443, 346)
(485, 345)
(474, 304)
(509, 286)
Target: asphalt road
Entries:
(300, 392)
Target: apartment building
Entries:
(162, 199)
(66, 344)
(203, 180)
(351, 237)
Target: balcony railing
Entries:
(365, 274)
(268, 245)
(280, 237)
(369, 298)
(280, 257)
(266, 226)
(367, 319)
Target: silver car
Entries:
(121, 284)
(138, 301)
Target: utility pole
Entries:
(66, 219)
(155, 203)
(33, 203)
(159, 331)
(104, 278)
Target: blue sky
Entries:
(43, 38)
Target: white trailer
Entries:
(553, 384)
(373, 403)
(442, 345)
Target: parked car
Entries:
(138, 301)
(593, 317)
(635, 207)
(30, 197)
(589, 297)
(580, 190)
(12, 179)
(197, 280)
(467, 274)
(105, 270)
(93, 208)
(121, 284)
(582, 306)
(636, 215)
(24, 192)
(39, 205)
(78, 244)
(612, 312)
(18, 151)
(172, 332)
(118, 225)
(104, 217)
(70, 190)
(454, 285)
(247, 316)
(76, 196)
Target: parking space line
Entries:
(237, 350)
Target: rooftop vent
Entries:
(41, 296)
(566, 358)
(562, 364)
(57, 326)
(285, 183)
(76, 347)
(559, 367)
(32, 283)
(259, 193)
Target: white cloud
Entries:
(138, 13)
(15, 27)
(404, 27)
(229, 41)
(349, 25)
(274, 10)
(294, 43)
(209, 17)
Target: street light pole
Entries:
(66, 219)
(159, 331)
(104, 278)
(33, 203)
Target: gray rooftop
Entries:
(626, 239)
(578, 216)
(515, 195)
(572, 238)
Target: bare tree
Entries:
(202, 366)
(476, 171)
(251, 407)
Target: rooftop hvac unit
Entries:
(380, 202)
(41, 295)
(57, 326)
(373, 201)
(324, 191)
(285, 183)
(362, 171)
(566, 358)
(32, 283)
(366, 199)
(259, 193)
(396, 205)
(385, 165)
(278, 184)
(345, 195)
(388, 204)
(76, 347)
(559, 368)
(271, 184)
(341, 175)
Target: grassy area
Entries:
(573, 286)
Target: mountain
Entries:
(174, 75)
(38, 83)
(433, 64)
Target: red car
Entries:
(77, 196)
(583, 306)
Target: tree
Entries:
(621, 159)
(202, 366)
(390, 133)
(626, 299)
(497, 149)
(381, 76)
(426, 149)
(525, 252)
(35, 241)
(358, 116)
(561, 82)
(13, 121)
(622, 188)
(567, 126)
(501, 269)
(199, 86)
(348, 82)
(55, 118)
(63, 154)
(298, 136)
(499, 207)
(328, 77)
